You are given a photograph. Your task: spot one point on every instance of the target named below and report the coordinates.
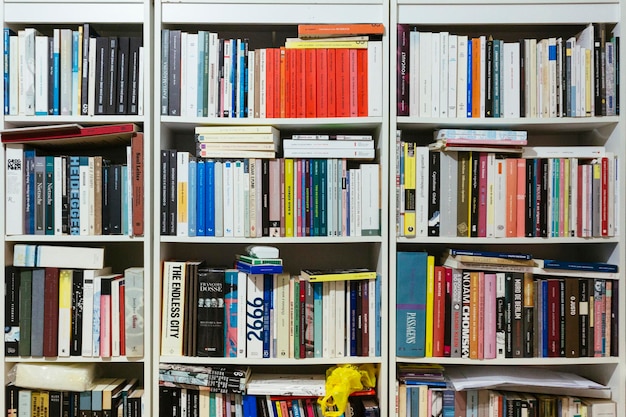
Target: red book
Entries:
(520, 208)
(447, 338)
(105, 317)
(321, 57)
(332, 83)
(270, 88)
(277, 81)
(325, 30)
(292, 90)
(283, 83)
(51, 312)
(439, 312)
(122, 296)
(482, 194)
(361, 80)
(554, 318)
(604, 195)
(69, 133)
(137, 166)
(473, 314)
(342, 65)
(310, 67)
(300, 83)
(353, 83)
(511, 197)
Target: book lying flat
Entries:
(71, 134)
(258, 269)
(337, 274)
(286, 384)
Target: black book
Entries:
(76, 337)
(434, 193)
(65, 196)
(26, 297)
(165, 68)
(599, 70)
(102, 74)
(164, 220)
(49, 196)
(88, 32)
(473, 194)
(11, 311)
(539, 202)
(265, 189)
(210, 322)
(40, 207)
(111, 94)
(522, 80)
(106, 217)
(529, 226)
(55, 404)
(11, 399)
(51, 75)
(191, 309)
(134, 45)
(174, 73)
(489, 78)
(508, 315)
(172, 192)
(614, 351)
(123, 55)
(517, 315)
(543, 212)
(115, 199)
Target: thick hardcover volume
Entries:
(51, 312)
(134, 311)
(12, 311)
(210, 322)
(137, 167)
(174, 275)
(403, 59)
(411, 303)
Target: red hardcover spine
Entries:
(292, 90)
(283, 82)
(51, 312)
(520, 206)
(439, 312)
(353, 83)
(310, 81)
(342, 65)
(137, 183)
(321, 61)
(361, 81)
(270, 88)
(300, 83)
(332, 82)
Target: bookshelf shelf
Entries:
(516, 362)
(536, 125)
(271, 361)
(271, 240)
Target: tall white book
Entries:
(41, 75)
(461, 71)
(173, 302)
(510, 91)
(14, 189)
(452, 74)
(374, 75)
(254, 316)
(134, 320)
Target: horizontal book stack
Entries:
(287, 315)
(441, 74)
(329, 146)
(237, 141)
(224, 77)
(72, 72)
(488, 308)
(53, 193)
(284, 197)
(220, 379)
(60, 312)
(487, 192)
(106, 396)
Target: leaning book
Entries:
(320, 275)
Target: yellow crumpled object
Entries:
(343, 380)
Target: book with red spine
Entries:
(520, 202)
(310, 79)
(51, 312)
(69, 133)
(327, 30)
(353, 91)
(342, 65)
(283, 83)
(300, 56)
(511, 197)
(270, 87)
(137, 166)
(332, 83)
(321, 62)
(361, 82)
(439, 312)
(292, 85)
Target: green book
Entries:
(26, 285)
(259, 261)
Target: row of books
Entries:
(268, 197)
(106, 396)
(544, 192)
(57, 312)
(441, 74)
(71, 72)
(418, 400)
(51, 193)
(286, 316)
(470, 311)
(204, 75)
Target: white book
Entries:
(87, 329)
(66, 71)
(510, 91)
(262, 83)
(134, 311)
(443, 71)
(333, 322)
(24, 403)
(84, 197)
(281, 317)
(374, 75)
(370, 199)
(583, 152)
(228, 86)
(141, 82)
(330, 205)
(425, 74)
(65, 313)
(228, 196)
(69, 257)
(421, 191)
(532, 78)
(500, 198)
(91, 83)
(14, 59)
(448, 193)
(326, 317)
(95, 323)
(41, 75)
(115, 316)
(254, 316)
(173, 304)
(259, 197)
(60, 184)
(435, 73)
(414, 70)
(14, 189)
(182, 184)
(452, 75)
(219, 198)
(213, 74)
(238, 199)
(242, 297)
(183, 74)
(252, 83)
(461, 71)
(27, 71)
(191, 69)
(340, 319)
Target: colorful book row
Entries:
(71, 72)
(541, 193)
(478, 314)
(441, 74)
(55, 312)
(203, 75)
(268, 197)
(286, 316)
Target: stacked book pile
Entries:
(222, 379)
(329, 146)
(260, 260)
(502, 141)
(236, 142)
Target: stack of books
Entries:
(329, 146)
(219, 379)
(236, 142)
(506, 141)
(260, 260)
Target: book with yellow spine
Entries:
(430, 297)
(409, 188)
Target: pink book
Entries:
(481, 315)
(490, 316)
(447, 345)
(298, 190)
(521, 198)
(274, 196)
(562, 207)
(511, 197)
(482, 194)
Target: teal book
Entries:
(317, 319)
(411, 303)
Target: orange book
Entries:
(439, 312)
(310, 81)
(332, 83)
(476, 77)
(137, 166)
(277, 81)
(292, 90)
(521, 198)
(269, 83)
(474, 314)
(321, 57)
(353, 83)
(511, 197)
(361, 79)
(339, 29)
(283, 83)
(300, 94)
(342, 65)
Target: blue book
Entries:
(200, 198)
(579, 266)
(411, 303)
(544, 317)
(468, 106)
(317, 319)
(192, 197)
(230, 311)
(29, 191)
(413, 400)
(124, 195)
(249, 405)
(258, 269)
(353, 286)
(209, 167)
(268, 289)
(7, 36)
(497, 68)
(323, 203)
(56, 76)
(241, 76)
(295, 407)
(76, 75)
(448, 403)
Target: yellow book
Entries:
(65, 312)
(44, 403)
(289, 198)
(410, 159)
(182, 181)
(430, 296)
(330, 44)
(337, 274)
(588, 90)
